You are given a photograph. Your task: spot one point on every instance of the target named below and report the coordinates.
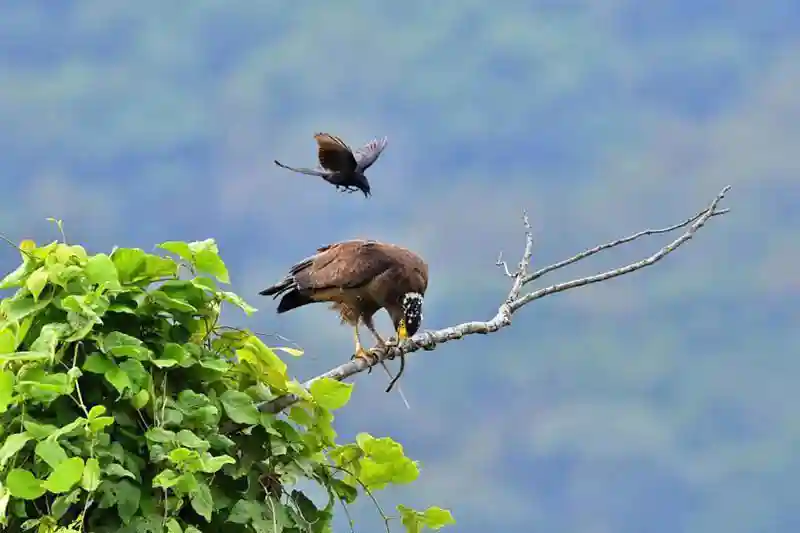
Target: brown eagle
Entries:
(339, 165)
(359, 277)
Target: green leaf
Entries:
(433, 517)
(101, 270)
(96, 425)
(329, 393)
(65, 476)
(247, 511)
(384, 449)
(344, 490)
(61, 504)
(43, 386)
(116, 470)
(297, 388)
(36, 282)
(215, 364)
(211, 464)
(50, 452)
(96, 411)
(136, 372)
(206, 259)
(266, 355)
(156, 267)
(120, 344)
(164, 363)
(187, 482)
(202, 502)
(404, 472)
(13, 444)
(160, 435)
(129, 263)
(6, 390)
(410, 519)
(16, 278)
(173, 526)
(238, 301)
(38, 431)
(118, 378)
(128, 496)
(16, 310)
(291, 351)
(166, 479)
(98, 364)
(76, 424)
(23, 484)
(174, 304)
(174, 352)
(91, 475)
(179, 248)
(190, 440)
(140, 399)
(48, 338)
(239, 407)
(80, 305)
(301, 416)
(24, 356)
(8, 339)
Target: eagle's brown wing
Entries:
(334, 154)
(345, 265)
(413, 275)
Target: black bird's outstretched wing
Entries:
(334, 154)
(369, 153)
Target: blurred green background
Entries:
(660, 402)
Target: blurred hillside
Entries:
(660, 402)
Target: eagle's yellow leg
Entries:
(361, 353)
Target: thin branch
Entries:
(428, 340)
(591, 251)
(503, 264)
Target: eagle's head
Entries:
(411, 320)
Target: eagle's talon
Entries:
(367, 357)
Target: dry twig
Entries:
(428, 340)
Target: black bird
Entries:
(340, 166)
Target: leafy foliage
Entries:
(125, 406)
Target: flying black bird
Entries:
(339, 165)
(359, 277)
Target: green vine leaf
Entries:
(330, 394)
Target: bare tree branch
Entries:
(428, 340)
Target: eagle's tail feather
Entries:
(293, 300)
(279, 288)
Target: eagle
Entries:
(359, 278)
(340, 166)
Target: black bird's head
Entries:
(363, 185)
(411, 320)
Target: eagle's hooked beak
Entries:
(402, 332)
